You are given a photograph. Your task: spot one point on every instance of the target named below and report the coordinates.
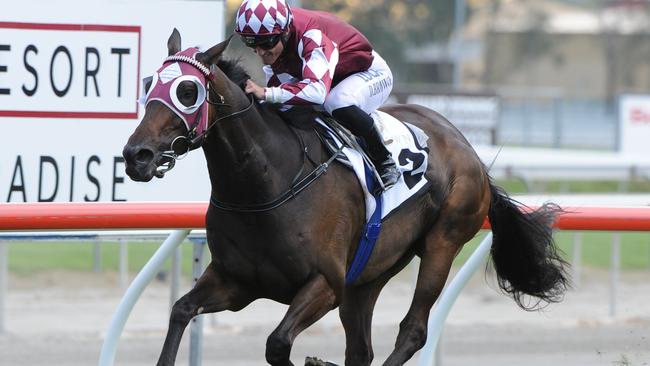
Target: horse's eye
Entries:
(187, 93)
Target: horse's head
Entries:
(176, 110)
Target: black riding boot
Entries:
(362, 125)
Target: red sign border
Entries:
(79, 28)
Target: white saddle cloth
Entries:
(408, 145)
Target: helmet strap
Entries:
(286, 34)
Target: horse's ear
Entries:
(174, 42)
(212, 55)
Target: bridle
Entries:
(181, 145)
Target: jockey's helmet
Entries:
(262, 18)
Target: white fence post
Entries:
(175, 274)
(97, 255)
(196, 326)
(614, 272)
(144, 277)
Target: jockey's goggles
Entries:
(262, 42)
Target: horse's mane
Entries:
(234, 71)
(238, 75)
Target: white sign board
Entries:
(69, 82)
(634, 123)
(475, 116)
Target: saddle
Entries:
(406, 142)
(309, 118)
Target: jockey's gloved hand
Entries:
(256, 90)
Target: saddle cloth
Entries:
(408, 146)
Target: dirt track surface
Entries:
(61, 318)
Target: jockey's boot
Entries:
(382, 158)
(362, 125)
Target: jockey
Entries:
(314, 58)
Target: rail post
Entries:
(614, 272)
(97, 255)
(175, 275)
(144, 277)
(196, 325)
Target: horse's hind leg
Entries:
(311, 303)
(356, 312)
(212, 293)
(441, 245)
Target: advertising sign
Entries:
(476, 116)
(69, 82)
(634, 122)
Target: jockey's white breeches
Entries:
(366, 89)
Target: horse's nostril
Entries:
(143, 156)
(137, 155)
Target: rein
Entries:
(296, 186)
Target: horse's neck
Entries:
(251, 158)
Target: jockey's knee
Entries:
(339, 99)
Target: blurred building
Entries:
(558, 66)
(590, 50)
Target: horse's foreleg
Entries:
(212, 293)
(356, 316)
(311, 303)
(434, 268)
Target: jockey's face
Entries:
(269, 56)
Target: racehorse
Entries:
(268, 241)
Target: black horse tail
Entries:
(524, 253)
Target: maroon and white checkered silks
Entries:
(319, 57)
(324, 51)
(262, 17)
(180, 67)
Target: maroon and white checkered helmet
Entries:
(262, 17)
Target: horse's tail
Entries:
(524, 253)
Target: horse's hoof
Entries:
(313, 361)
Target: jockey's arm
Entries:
(319, 56)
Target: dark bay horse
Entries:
(298, 252)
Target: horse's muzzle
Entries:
(140, 163)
